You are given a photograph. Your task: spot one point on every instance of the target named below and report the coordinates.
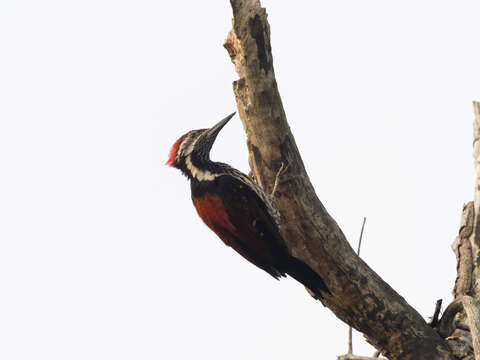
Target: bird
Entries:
(237, 210)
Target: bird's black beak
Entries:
(205, 143)
(213, 131)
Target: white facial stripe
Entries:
(191, 146)
(182, 145)
(200, 175)
(186, 150)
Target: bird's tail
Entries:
(309, 278)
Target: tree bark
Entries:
(460, 323)
(475, 236)
(358, 296)
(462, 248)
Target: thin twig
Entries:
(350, 346)
(361, 234)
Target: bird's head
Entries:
(194, 147)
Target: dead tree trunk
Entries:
(359, 296)
(460, 323)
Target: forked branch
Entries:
(359, 296)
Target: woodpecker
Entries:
(238, 211)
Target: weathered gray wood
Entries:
(463, 251)
(461, 346)
(472, 309)
(358, 295)
(463, 313)
(460, 321)
(355, 357)
(475, 237)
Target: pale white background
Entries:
(101, 253)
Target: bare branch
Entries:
(355, 357)
(452, 320)
(358, 295)
(448, 321)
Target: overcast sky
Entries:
(102, 255)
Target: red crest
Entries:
(174, 149)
